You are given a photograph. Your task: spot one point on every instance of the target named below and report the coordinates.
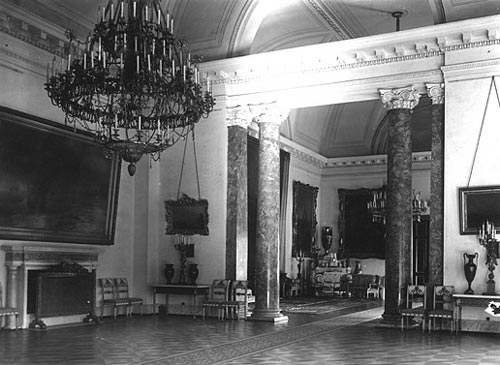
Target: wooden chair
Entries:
(415, 305)
(109, 296)
(121, 285)
(237, 305)
(373, 290)
(219, 294)
(7, 311)
(442, 306)
(360, 284)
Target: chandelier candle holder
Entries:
(487, 239)
(377, 205)
(419, 206)
(131, 84)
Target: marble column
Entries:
(267, 292)
(436, 235)
(237, 120)
(11, 297)
(400, 103)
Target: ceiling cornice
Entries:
(319, 7)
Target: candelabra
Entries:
(181, 247)
(487, 239)
(419, 206)
(377, 205)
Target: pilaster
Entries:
(237, 118)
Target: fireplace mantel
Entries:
(22, 257)
(40, 257)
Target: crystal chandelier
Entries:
(131, 84)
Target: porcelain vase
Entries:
(169, 272)
(193, 273)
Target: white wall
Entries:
(211, 149)
(464, 109)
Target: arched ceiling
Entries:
(218, 29)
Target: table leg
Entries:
(154, 302)
(194, 304)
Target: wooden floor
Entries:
(348, 335)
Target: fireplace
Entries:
(58, 292)
(51, 284)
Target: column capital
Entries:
(436, 93)
(268, 113)
(400, 98)
(238, 116)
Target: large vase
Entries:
(193, 273)
(169, 272)
(470, 268)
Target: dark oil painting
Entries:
(55, 184)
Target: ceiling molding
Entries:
(247, 24)
(438, 11)
(319, 7)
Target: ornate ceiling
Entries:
(218, 29)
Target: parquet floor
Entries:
(344, 336)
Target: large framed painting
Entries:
(187, 216)
(56, 184)
(360, 237)
(304, 219)
(478, 204)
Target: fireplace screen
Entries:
(60, 293)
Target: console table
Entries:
(192, 290)
(468, 300)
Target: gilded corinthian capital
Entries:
(436, 93)
(238, 116)
(401, 98)
(268, 113)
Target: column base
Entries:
(390, 320)
(268, 316)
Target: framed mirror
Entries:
(477, 204)
(187, 216)
(304, 219)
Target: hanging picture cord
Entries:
(195, 164)
(492, 83)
